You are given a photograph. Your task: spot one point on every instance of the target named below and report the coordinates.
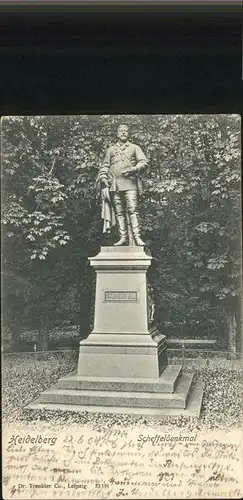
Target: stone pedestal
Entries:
(122, 365)
(121, 345)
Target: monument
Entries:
(120, 184)
(123, 365)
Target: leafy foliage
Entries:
(190, 213)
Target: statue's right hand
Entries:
(105, 195)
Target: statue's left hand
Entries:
(105, 195)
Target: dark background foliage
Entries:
(190, 212)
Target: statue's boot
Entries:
(135, 229)
(122, 230)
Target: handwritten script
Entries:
(79, 462)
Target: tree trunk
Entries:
(15, 333)
(44, 335)
(232, 329)
(45, 339)
(84, 304)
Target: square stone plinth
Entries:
(121, 345)
(121, 290)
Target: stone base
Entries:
(166, 383)
(174, 393)
(192, 410)
(123, 355)
(122, 365)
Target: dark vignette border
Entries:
(115, 58)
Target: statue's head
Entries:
(122, 132)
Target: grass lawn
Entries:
(24, 378)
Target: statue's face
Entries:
(122, 133)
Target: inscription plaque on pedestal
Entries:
(120, 296)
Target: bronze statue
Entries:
(120, 185)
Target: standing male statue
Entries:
(120, 186)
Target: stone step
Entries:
(166, 383)
(178, 399)
(192, 409)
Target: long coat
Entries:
(119, 157)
